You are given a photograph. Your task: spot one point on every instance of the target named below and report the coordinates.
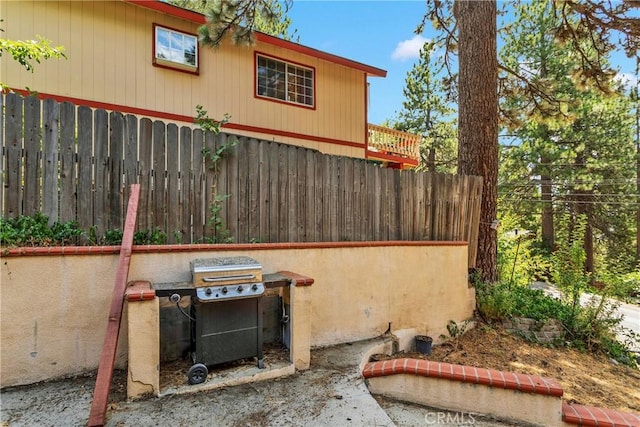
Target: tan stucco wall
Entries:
(54, 309)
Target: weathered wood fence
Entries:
(76, 163)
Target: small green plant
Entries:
(206, 123)
(140, 237)
(35, 230)
(568, 272)
(456, 330)
(221, 234)
(213, 159)
(494, 302)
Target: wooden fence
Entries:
(76, 163)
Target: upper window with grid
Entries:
(284, 81)
(175, 49)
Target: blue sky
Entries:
(377, 33)
(368, 32)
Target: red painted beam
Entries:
(108, 357)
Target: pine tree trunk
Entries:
(478, 118)
(546, 197)
(432, 160)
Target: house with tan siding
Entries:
(143, 58)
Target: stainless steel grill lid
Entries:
(225, 271)
(205, 265)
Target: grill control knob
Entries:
(254, 287)
(240, 289)
(207, 291)
(224, 290)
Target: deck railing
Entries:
(394, 142)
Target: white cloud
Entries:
(409, 49)
(628, 80)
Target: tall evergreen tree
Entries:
(576, 148)
(425, 113)
(588, 26)
(243, 16)
(478, 118)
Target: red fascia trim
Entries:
(188, 119)
(390, 158)
(169, 67)
(264, 38)
(286, 61)
(169, 9)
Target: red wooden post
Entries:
(107, 359)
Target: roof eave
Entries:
(198, 18)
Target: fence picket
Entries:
(116, 156)
(101, 135)
(130, 163)
(32, 155)
(67, 162)
(85, 193)
(253, 191)
(145, 162)
(172, 208)
(262, 169)
(50, 161)
(13, 149)
(198, 178)
(159, 176)
(274, 205)
(184, 230)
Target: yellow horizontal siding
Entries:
(109, 59)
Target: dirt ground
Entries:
(587, 379)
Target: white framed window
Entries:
(285, 81)
(175, 49)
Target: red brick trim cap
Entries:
(297, 279)
(139, 290)
(468, 374)
(601, 417)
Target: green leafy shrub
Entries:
(35, 231)
(592, 326)
(494, 301)
(618, 284)
(141, 237)
(503, 301)
(519, 260)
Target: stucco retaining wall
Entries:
(54, 308)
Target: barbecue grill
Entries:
(226, 313)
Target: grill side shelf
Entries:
(274, 280)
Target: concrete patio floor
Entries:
(331, 393)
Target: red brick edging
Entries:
(297, 279)
(140, 290)
(467, 374)
(571, 414)
(592, 416)
(106, 250)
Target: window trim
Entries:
(171, 65)
(286, 62)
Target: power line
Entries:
(577, 202)
(555, 182)
(581, 194)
